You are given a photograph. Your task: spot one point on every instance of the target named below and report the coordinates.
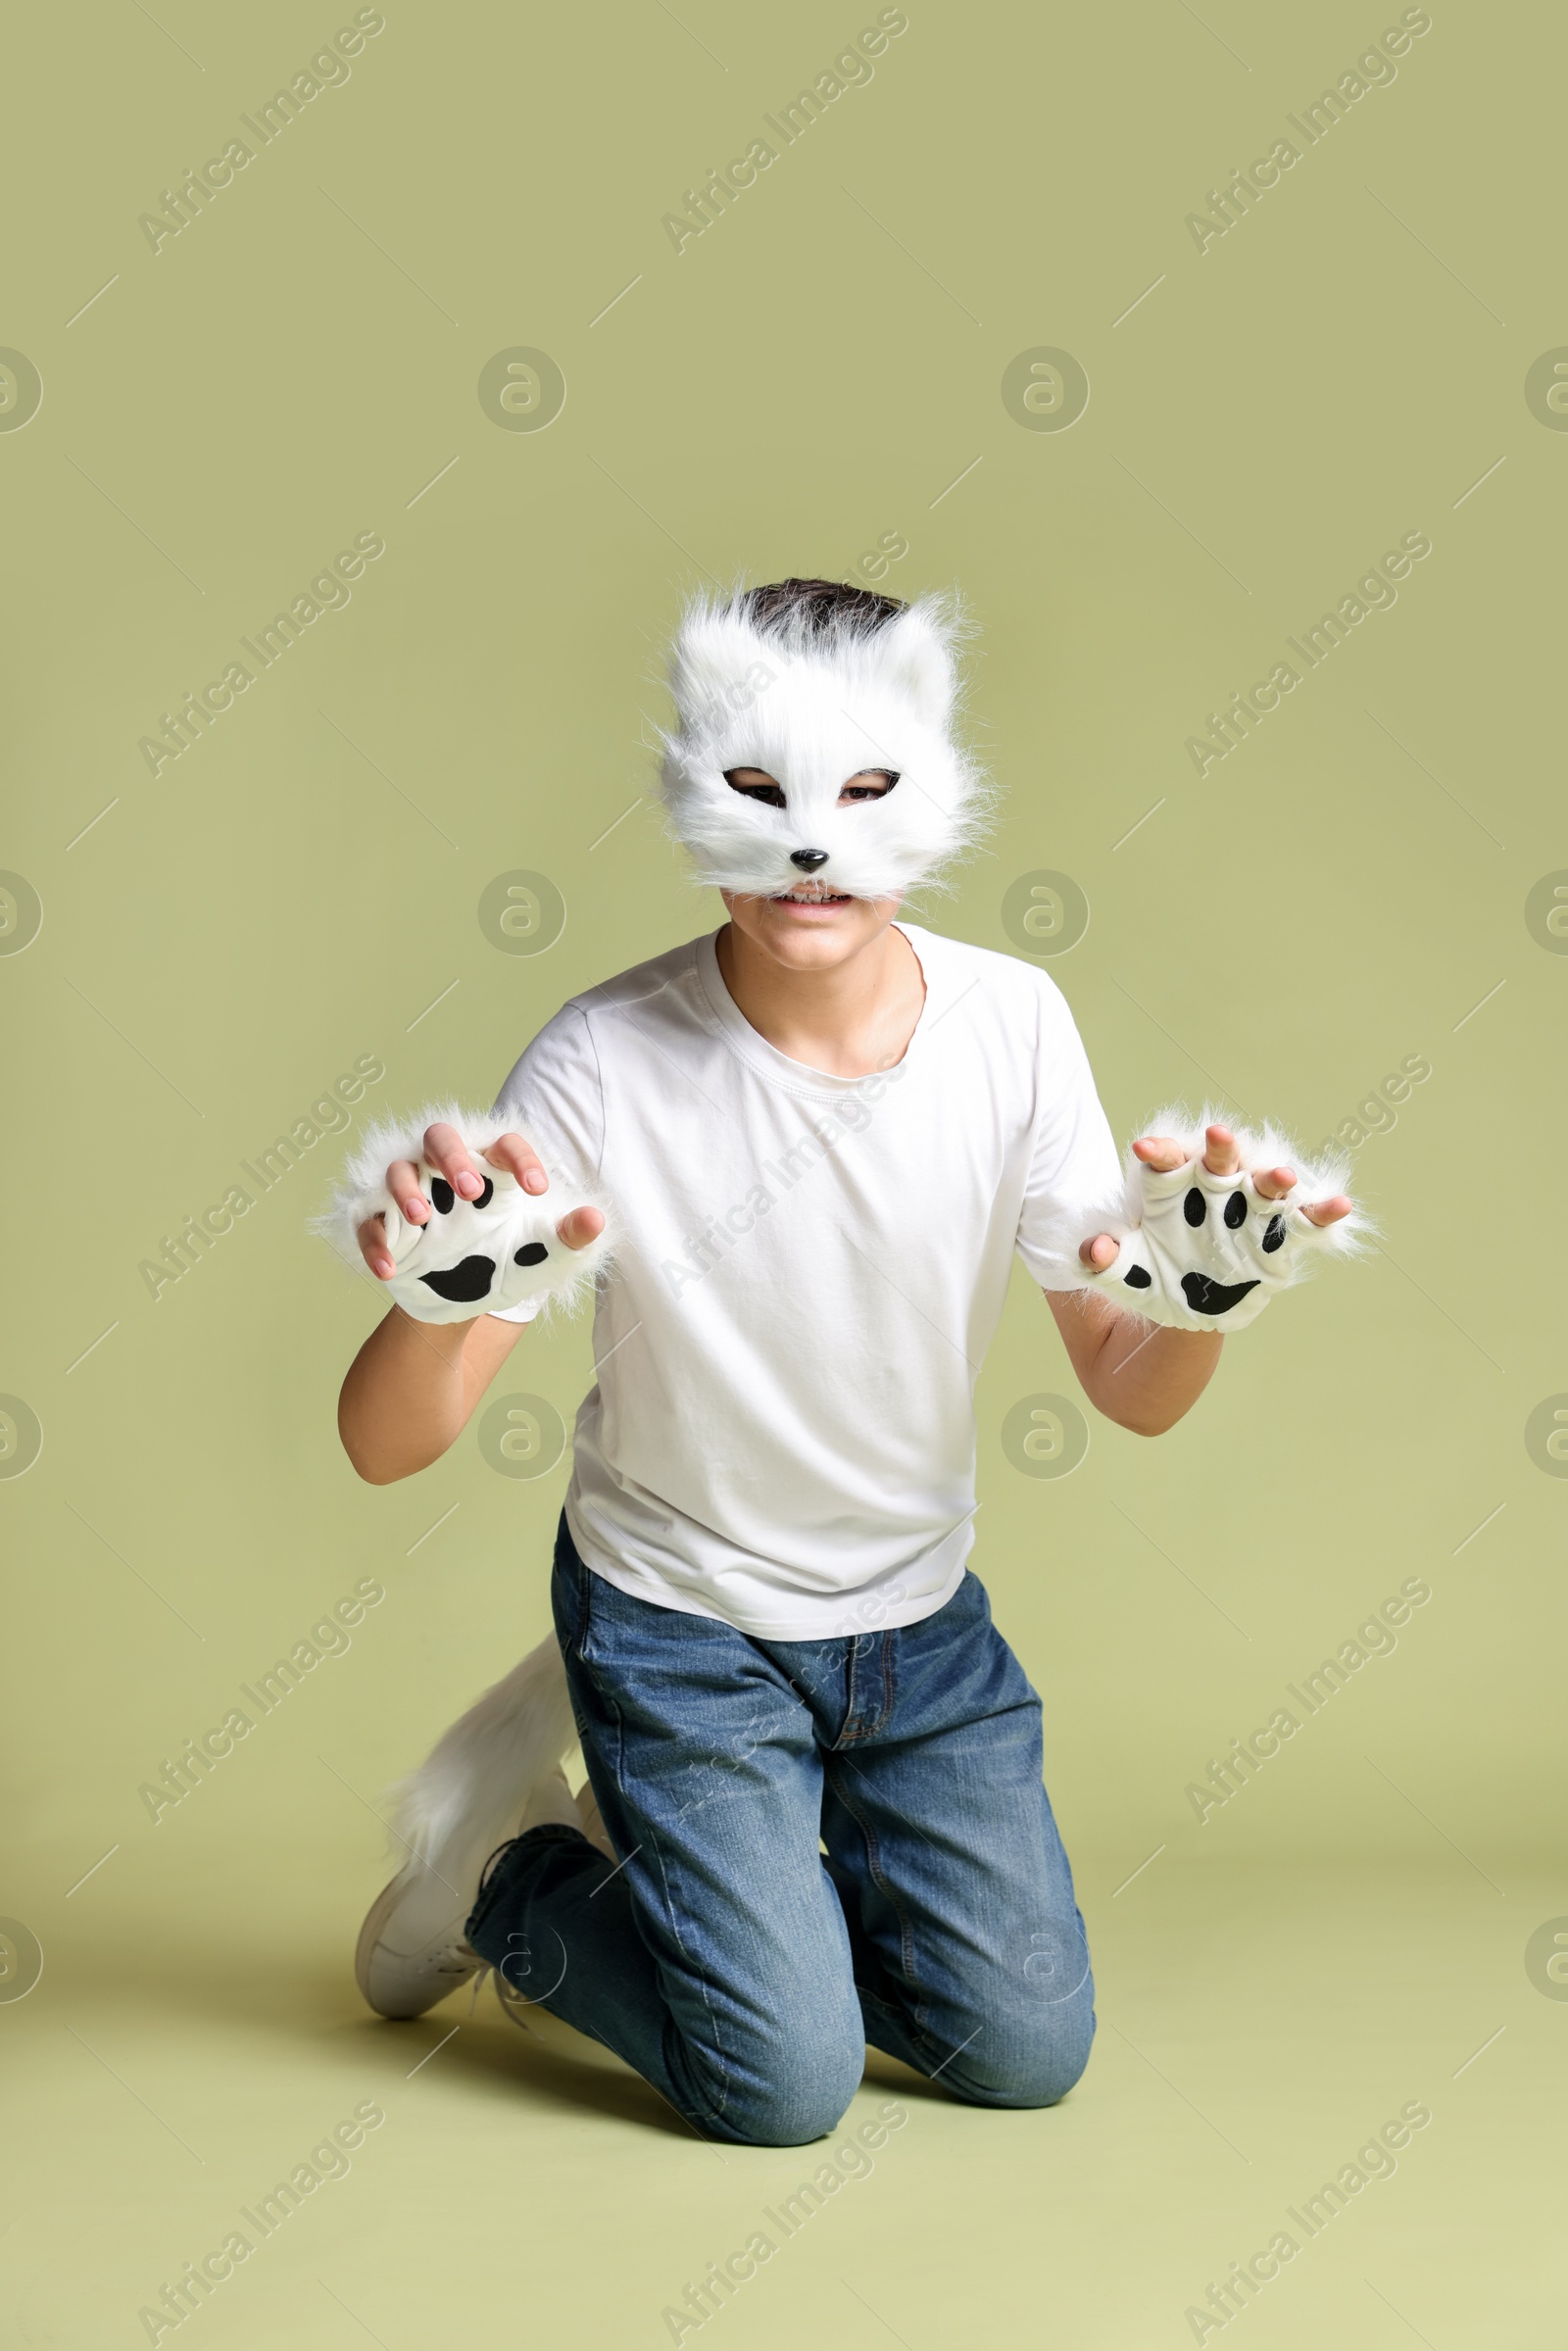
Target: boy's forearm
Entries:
(1146, 1379)
(410, 1389)
(1141, 1375)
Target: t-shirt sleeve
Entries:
(1075, 1162)
(556, 1093)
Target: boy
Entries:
(821, 1135)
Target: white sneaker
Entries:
(411, 1951)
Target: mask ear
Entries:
(912, 657)
(710, 665)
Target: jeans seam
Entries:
(879, 1722)
(889, 1680)
(712, 2113)
(584, 1608)
(654, 1850)
(916, 2012)
(847, 1732)
(574, 1651)
(653, 1847)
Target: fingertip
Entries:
(1161, 1154)
(535, 1180)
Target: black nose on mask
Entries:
(808, 859)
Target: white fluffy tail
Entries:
(467, 1796)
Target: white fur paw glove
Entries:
(473, 1257)
(1200, 1252)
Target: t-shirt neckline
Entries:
(778, 1068)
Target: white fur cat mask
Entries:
(812, 702)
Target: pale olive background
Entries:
(809, 378)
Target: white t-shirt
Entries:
(810, 1270)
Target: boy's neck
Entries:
(849, 1018)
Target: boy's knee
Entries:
(1030, 2061)
(795, 2095)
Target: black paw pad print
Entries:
(463, 1284)
(1207, 1297)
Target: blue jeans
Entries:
(725, 1959)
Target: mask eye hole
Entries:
(755, 783)
(868, 783)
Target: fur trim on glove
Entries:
(1200, 1252)
(473, 1257)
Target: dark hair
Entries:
(818, 608)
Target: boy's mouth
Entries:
(811, 894)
